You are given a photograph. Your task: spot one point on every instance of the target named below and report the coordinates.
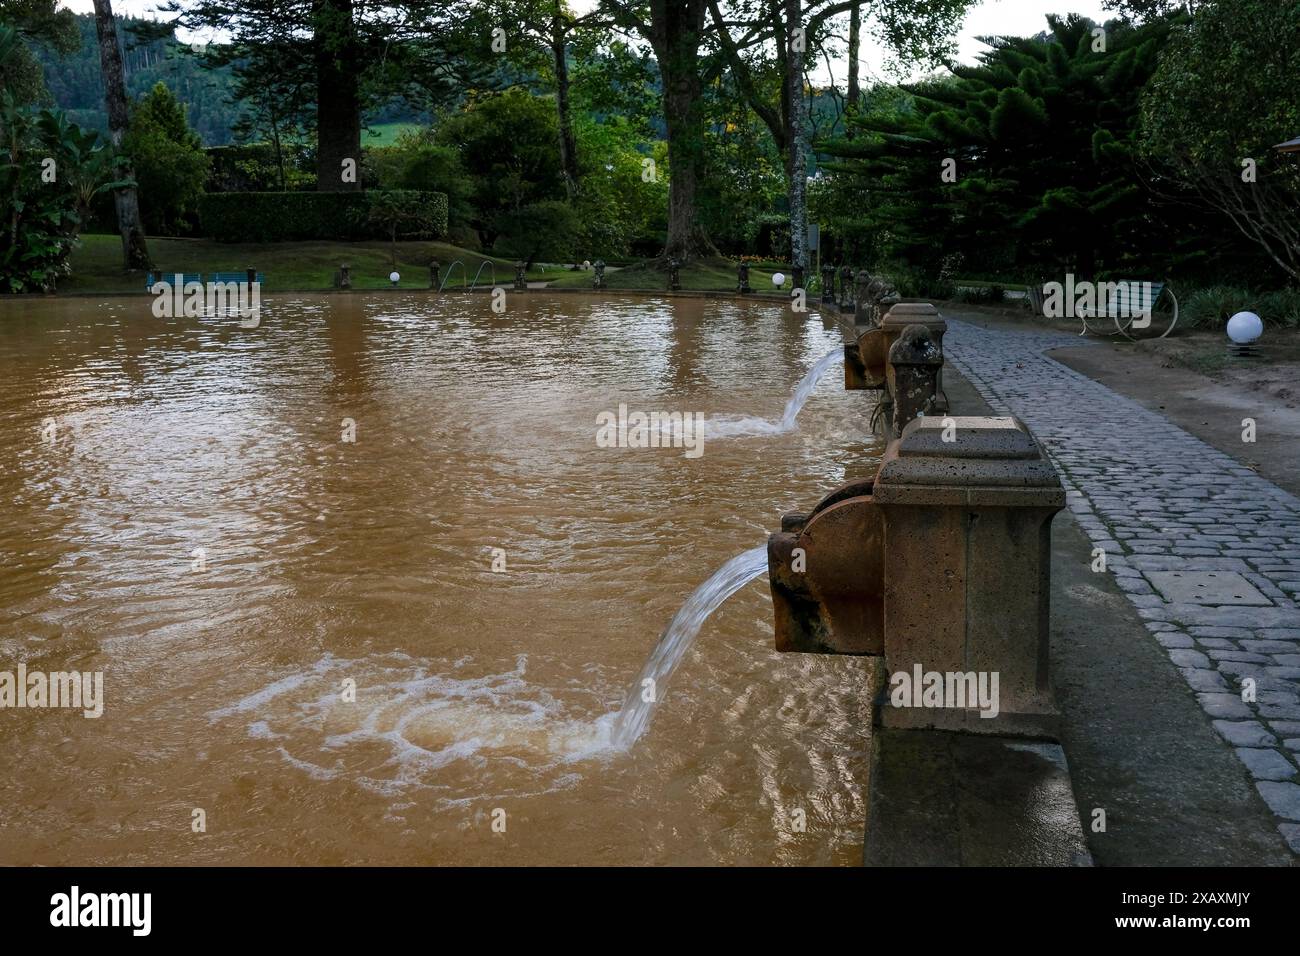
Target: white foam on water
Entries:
(408, 723)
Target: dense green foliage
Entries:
(37, 25)
(292, 216)
(1224, 96)
(170, 165)
(50, 172)
(75, 83)
(1037, 146)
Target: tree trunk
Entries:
(855, 44)
(279, 149)
(568, 146)
(338, 97)
(678, 30)
(797, 136)
(135, 251)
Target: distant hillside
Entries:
(77, 87)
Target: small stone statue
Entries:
(674, 280)
(435, 273)
(598, 281)
(846, 289)
(828, 284)
(872, 299)
(742, 278)
(520, 283)
(345, 276)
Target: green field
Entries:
(707, 275)
(306, 266)
(97, 264)
(385, 134)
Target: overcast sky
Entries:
(1019, 17)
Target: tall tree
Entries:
(1222, 98)
(1023, 165)
(675, 30)
(135, 252)
(337, 54)
(776, 40)
(855, 48)
(37, 22)
(344, 55)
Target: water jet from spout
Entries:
(647, 690)
(737, 427)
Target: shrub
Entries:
(170, 165)
(542, 230)
(916, 283)
(1281, 307)
(1211, 307)
(255, 167)
(295, 216)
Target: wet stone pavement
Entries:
(1207, 550)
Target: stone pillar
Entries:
(828, 284)
(968, 505)
(742, 278)
(674, 280)
(846, 289)
(345, 276)
(914, 364)
(435, 273)
(520, 283)
(598, 281)
(903, 314)
(862, 298)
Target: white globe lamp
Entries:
(778, 279)
(1245, 327)
(393, 277)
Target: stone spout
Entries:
(827, 578)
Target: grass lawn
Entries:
(97, 263)
(706, 275)
(385, 134)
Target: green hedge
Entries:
(297, 216)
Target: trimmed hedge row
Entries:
(298, 216)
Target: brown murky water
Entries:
(325, 561)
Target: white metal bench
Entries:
(1130, 304)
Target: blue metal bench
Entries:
(235, 277)
(153, 277)
(198, 277)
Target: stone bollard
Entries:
(866, 360)
(914, 363)
(940, 563)
(598, 280)
(742, 278)
(520, 283)
(873, 297)
(846, 289)
(828, 284)
(435, 274)
(674, 280)
(862, 298)
(345, 276)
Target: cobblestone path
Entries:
(1207, 550)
